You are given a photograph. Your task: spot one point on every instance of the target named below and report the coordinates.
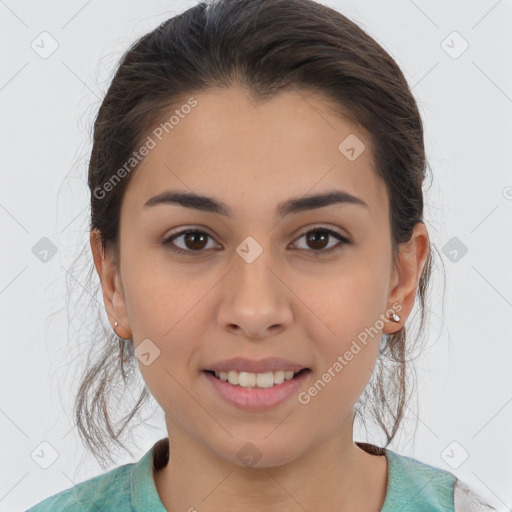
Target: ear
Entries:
(406, 276)
(113, 293)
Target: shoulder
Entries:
(110, 491)
(419, 486)
(424, 487)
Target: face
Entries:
(301, 285)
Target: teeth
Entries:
(265, 380)
(232, 377)
(280, 376)
(249, 380)
(246, 379)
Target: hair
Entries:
(268, 48)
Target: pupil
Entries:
(190, 236)
(323, 234)
(318, 239)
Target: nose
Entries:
(255, 300)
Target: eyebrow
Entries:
(294, 205)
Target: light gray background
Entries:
(47, 107)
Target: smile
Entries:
(248, 394)
(260, 380)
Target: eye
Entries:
(318, 235)
(195, 239)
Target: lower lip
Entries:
(257, 398)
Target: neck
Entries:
(337, 475)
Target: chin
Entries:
(263, 451)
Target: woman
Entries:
(257, 226)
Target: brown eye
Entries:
(317, 240)
(194, 241)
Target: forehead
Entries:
(258, 154)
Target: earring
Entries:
(395, 317)
(119, 337)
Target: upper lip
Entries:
(269, 364)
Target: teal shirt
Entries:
(412, 485)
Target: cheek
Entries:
(173, 332)
(344, 320)
(332, 395)
(160, 296)
(348, 343)
(342, 304)
(165, 312)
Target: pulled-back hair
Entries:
(268, 47)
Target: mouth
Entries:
(257, 380)
(257, 392)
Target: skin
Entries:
(200, 308)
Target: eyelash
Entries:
(338, 247)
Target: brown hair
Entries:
(267, 47)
